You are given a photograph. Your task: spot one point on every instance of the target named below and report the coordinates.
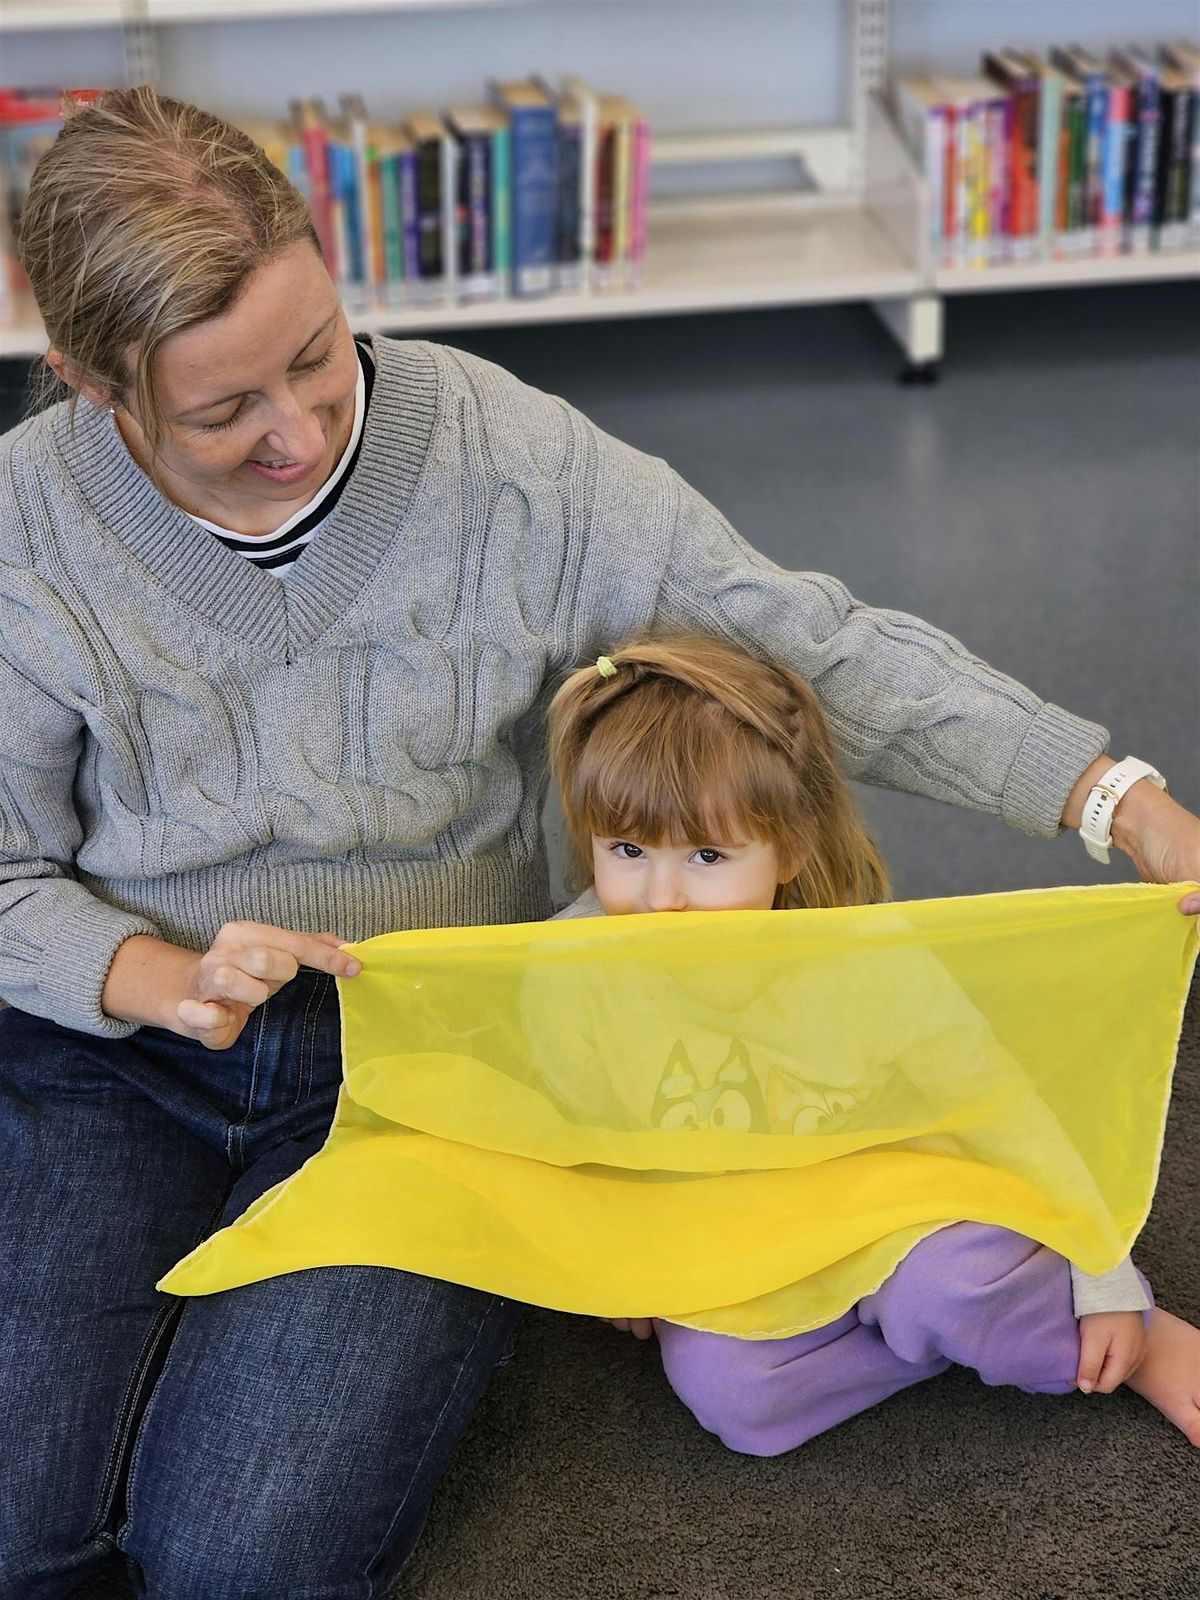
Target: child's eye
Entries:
(626, 851)
(710, 857)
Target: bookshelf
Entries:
(29, 15)
(853, 230)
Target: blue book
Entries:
(1090, 74)
(532, 120)
(1144, 166)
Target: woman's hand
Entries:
(1111, 1346)
(1160, 838)
(639, 1327)
(246, 964)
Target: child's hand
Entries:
(639, 1327)
(1111, 1346)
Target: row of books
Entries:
(533, 192)
(1071, 155)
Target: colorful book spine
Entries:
(951, 238)
(368, 244)
(1116, 140)
(379, 271)
(346, 208)
(449, 185)
(1185, 58)
(639, 201)
(311, 126)
(428, 138)
(1089, 74)
(392, 226)
(1072, 237)
(924, 120)
(567, 213)
(587, 177)
(978, 242)
(1140, 213)
(1050, 84)
(1018, 76)
(1172, 188)
(472, 128)
(605, 169)
(622, 190)
(410, 215)
(532, 131)
(502, 205)
(998, 124)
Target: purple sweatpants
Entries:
(969, 1295)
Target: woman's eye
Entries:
(215, 427)
(321, 361)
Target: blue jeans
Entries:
(275, 1442)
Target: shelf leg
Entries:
(916, 325)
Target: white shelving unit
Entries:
(857, 232)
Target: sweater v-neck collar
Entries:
(227, 590)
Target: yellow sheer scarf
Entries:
(740, 1120)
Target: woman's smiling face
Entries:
(257, 403)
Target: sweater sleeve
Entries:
(909, 706)
(57, 940)
(1119, 1289)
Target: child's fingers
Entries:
(1091, 1360)
(1112, 1373)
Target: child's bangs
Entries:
(707, 780)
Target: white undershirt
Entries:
(252, 544)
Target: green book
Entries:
(393, 233)
(501, 207)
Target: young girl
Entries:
(696, 778)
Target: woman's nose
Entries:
(297, 434)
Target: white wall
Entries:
(690, 63)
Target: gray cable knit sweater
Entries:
(186, 740)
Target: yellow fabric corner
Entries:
(737, 1120)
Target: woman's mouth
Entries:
(280, 470)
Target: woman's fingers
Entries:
(230, 982)
(275, 954)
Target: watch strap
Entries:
(1095, 827)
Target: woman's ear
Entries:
(101, 395)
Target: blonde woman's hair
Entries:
(692, 739)
(144, 217)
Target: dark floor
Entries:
(1042, 504)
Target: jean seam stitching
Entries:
(483, 1321)
(179, 1306)
(236, 1134)
(125, 1421)
(308, 1042)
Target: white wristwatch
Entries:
(1096, 827)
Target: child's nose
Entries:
(665, 892)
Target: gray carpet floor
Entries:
(1041, 504)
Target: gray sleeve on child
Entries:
(1119, 1289)
(587, 905)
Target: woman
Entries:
(212, 774)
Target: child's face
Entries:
(738, 876)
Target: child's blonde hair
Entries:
(692, 739)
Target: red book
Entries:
(310, 122)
